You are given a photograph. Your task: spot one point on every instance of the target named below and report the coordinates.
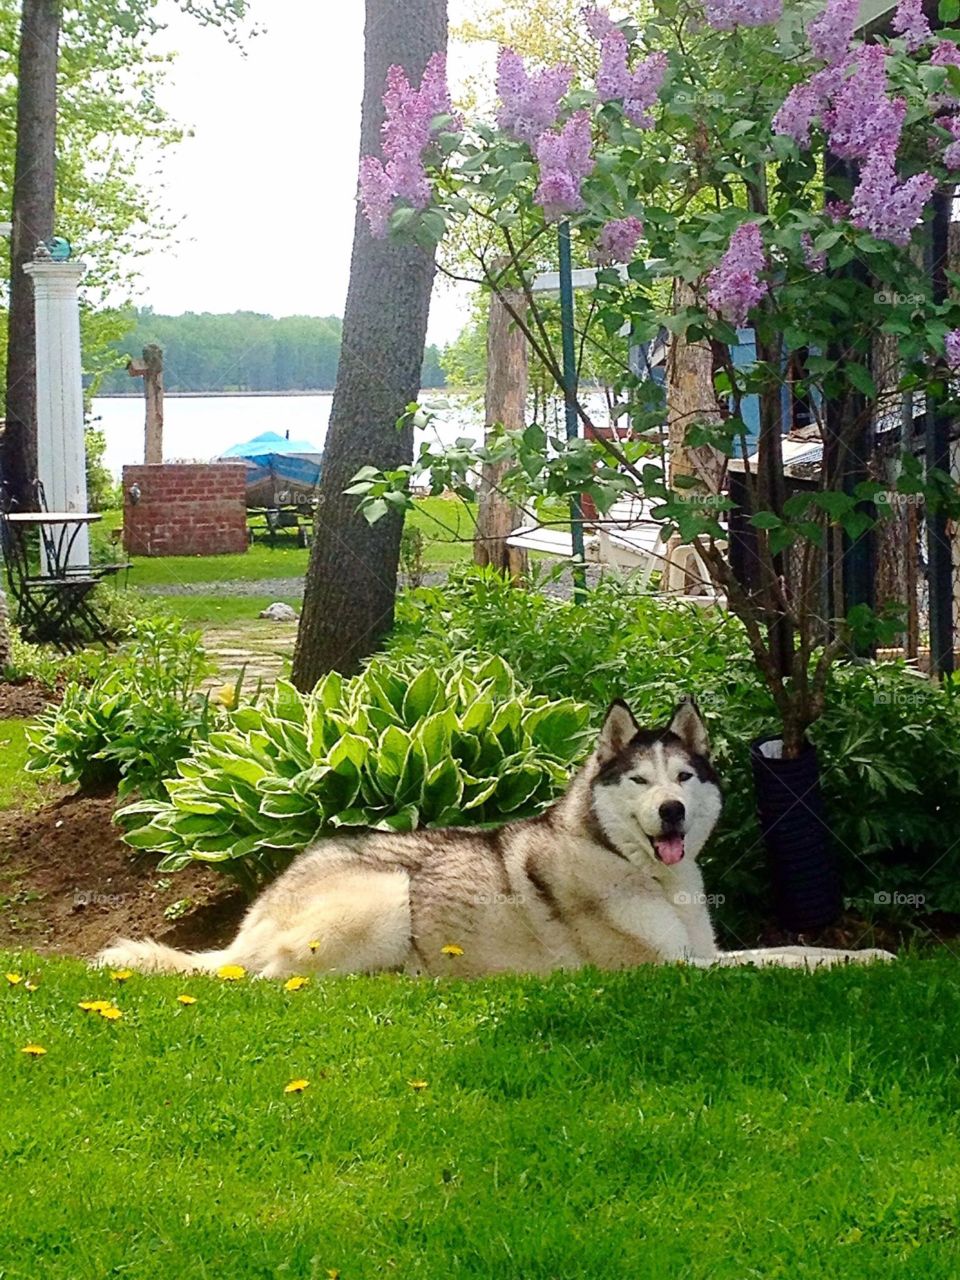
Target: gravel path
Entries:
(275, 588)
(287, 588)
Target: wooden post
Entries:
(150, 369)
(690, 398)
(506, 403)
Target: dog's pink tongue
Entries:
(669, 849)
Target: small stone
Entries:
(279, 612)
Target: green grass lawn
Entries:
(222, 611)
(446, 524)
(659, 1123)
(17, 789)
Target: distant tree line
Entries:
(242, 352)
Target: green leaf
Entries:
(860, 377)
(374, 510)
(348, 754)
(392, 751)
(421, 697)
(766, 520)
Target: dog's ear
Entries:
(619, 727)
(687, 724)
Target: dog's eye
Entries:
(684, 777)
(643, 782)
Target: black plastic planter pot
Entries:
(803, 866)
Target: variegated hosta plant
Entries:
(393, 748)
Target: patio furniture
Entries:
(59, 539)
(53, 606)
(630, 540)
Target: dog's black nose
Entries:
(672, 813)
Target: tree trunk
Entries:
(506, 403)
(34, 194)
(352, 578)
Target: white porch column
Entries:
(61, 459)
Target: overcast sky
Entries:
(265, 187)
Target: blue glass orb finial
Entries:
(60, 249)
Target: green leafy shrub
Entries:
(394, 748)
(889, 741)
(47, 666)
(123, 613)
(619, 640)
(136, 718)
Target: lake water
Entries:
(197, 429)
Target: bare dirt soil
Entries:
(25, 700)
(68, 885)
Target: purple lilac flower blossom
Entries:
(407, 132)
(797, 113)
(618, 239)
(951, 153)
(598, 21)
(805, 102)
(952, 345)
(565, 159)
(376, 195)
(909, 22)
(837, 210)
(638, 88)
(735, 286)
(815, 261)
(885, 206)
(861, 117)
(946, 54)
(726, 14)
(530, 102)
(830, 33)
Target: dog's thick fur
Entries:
(608, 877)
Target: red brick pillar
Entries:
(185, 509)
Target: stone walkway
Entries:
(263, 649)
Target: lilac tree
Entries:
(784, 175)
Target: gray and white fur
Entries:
(608, 876)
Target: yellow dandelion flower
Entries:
(95, 1006)
(295, 984)
(314, 946)
(34, 1050)
(30, 986)
(296, 1086)
(186, 999)
(333, 1273)
(111, 1013)
(451, 949)
(231, 972)
(121, 975)
(418, 1085)
(14, 979)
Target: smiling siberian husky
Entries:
(608, 876)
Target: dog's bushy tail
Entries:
(149, 956)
